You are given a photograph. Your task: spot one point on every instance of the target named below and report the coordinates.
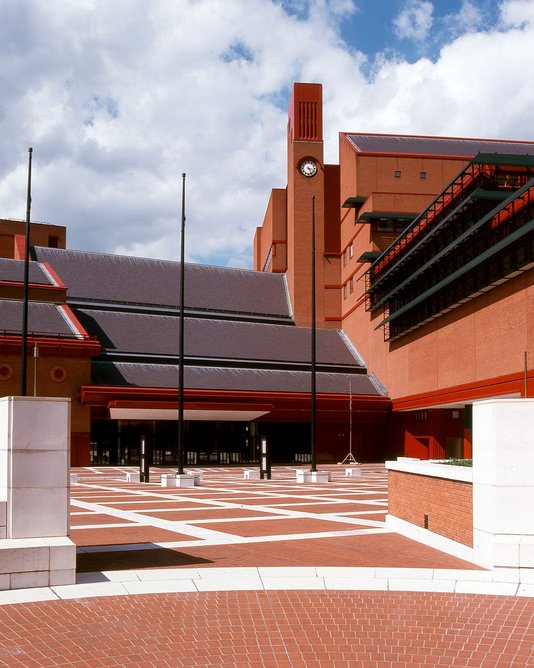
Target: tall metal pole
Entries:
(313, 351)
(24, 355)
(181, 432)
(350, 420)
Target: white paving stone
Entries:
(526, 590)
(167, 574)
(364, 584)
(27, 595)
(90, 590)
(216, 584)
(405, 584)
(496, 588)
(287, 572)
(160, 586)
(293, 583)
(348, 572)
(409, 573)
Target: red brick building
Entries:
(104, 330)
(425, 248)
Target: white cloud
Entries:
(118, 98)
(468, 19)
(415, 21)
(517, 13)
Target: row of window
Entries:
(398, 174)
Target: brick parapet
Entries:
(440, 505)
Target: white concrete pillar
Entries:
(35, 550)
(503, 485)
(34, 453)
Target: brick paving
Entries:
(297, 610)
(276, 629)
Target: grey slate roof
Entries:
(216, 378)
(369, 143)
(13, 270)
(42, 318)
(131, 280)
(239, 330)
(213, 339)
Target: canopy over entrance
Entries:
(168, 410)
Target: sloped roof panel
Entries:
(217, 378)
(13, 270)
(214, 339)
(407, 144)
(132, 280)
(47, 319)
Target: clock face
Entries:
(308, 168)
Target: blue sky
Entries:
(411, 30)
(119, 97)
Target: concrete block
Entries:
(353, 473)
(40, 423)
(321, 476)
(506, 551)
(37, 513)
(63, 556)
(175, 480)
(197, 476)
(514, 510)
(29, 580)
(39, 469)
(23, 556)
(303, 476)
(526, 552)
(62, 577)
(251, 475)
(133, 476)
(313, 476)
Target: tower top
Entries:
(306, 112)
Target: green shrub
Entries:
(454, 461)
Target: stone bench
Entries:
(353, 473)
(175, 480)
(251, 474)
(313, 476)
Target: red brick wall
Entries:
(447, 503)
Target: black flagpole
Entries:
(181, 432)
(313, 351)
(24, 355)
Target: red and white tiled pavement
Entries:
(259, 573)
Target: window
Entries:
(351, 284)
(345, 257)
(422, 175)
(386, 225)
(421, 416)
(351, 250)
(397, 173)
(393, 224)
(345, 291)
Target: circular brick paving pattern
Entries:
(288, 629)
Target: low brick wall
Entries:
(440, 505)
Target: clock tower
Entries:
(305, 185)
